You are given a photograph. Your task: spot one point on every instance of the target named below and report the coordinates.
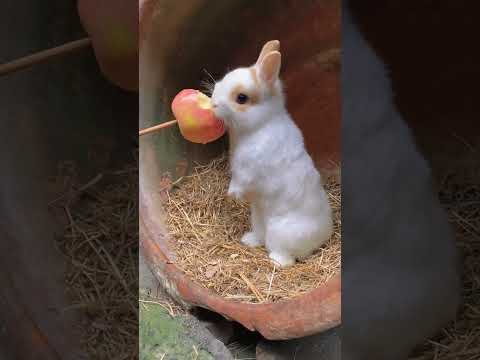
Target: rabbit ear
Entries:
(272, 45)
(270, 67)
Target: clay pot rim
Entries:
(275, 321)
(312, 312)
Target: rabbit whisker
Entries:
(208, 86)
(209, 75)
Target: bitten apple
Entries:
(196, 119)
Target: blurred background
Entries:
(430, 50)
(62, 123)
(431, 53)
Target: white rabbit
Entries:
(400, 275)
(271, 169)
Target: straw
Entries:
(460, 195)
(100, 244)
(205, 227)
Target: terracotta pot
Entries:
(177, 43)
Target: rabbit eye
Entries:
(242, 98)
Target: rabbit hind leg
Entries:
(256, 237)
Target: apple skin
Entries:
(113, 27)
(195, 117)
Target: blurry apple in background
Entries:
(113, 28)
(196, 119)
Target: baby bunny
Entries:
(270, 167)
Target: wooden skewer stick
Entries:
(43, 56)
(157, 127)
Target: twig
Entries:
(464, 142)
(166, 305)
(252, 287)
(188, 219)
(270, 282)
(43, 56)
(157, 127)
(80, 190)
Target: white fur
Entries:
(271, 169)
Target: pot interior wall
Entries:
(221, 36)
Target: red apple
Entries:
(113, 28)
(196, 119)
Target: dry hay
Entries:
(160, 298)
(460, 195)
(100, 243)
(171, 307)
(205, 228)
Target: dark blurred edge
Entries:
(56, 111)
(429, 50)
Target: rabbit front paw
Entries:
(235, 192)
